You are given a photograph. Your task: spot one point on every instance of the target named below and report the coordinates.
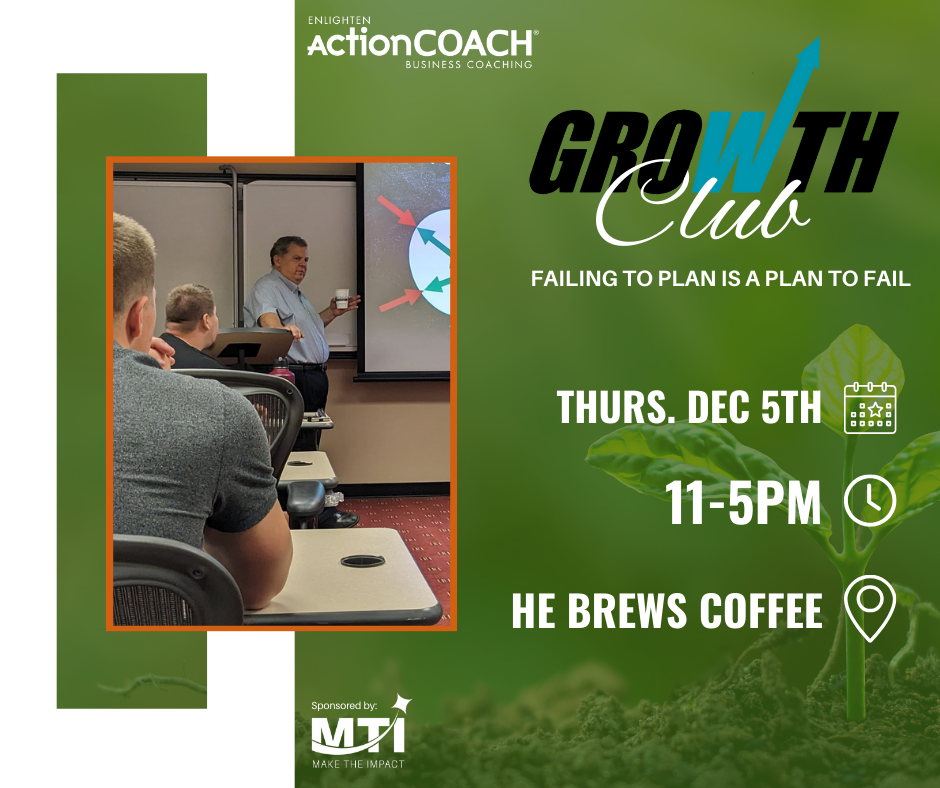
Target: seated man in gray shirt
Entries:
(191, 460)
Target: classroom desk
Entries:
(309, 466)
(314, 422)
(322, 591)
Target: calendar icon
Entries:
(871, 408)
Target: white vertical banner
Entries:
(251, 76)
(250, 725)
(251, 112)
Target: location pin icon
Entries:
(858, 588)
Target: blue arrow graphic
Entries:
(428, 235)
(808, 60)
(752, 169)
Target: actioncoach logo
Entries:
(339, 740)
(751, 157)
(444, 49)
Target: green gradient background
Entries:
(103, 115)
(533, 516)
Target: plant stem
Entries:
(854, 661)
(848, 470)
(834, 650)
(908, 646)
(854, 567)
(155, 681)
(758, 645)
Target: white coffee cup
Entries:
(342, 298)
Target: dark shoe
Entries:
(334, 518)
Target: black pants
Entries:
(314, 387)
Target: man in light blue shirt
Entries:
(276, 302)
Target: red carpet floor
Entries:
(424, 525)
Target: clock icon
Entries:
(871, 488)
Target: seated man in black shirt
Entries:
(192, 325)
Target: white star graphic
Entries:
(401, 703)
(873, 407)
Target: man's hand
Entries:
(353, 304)
(162, 352)
(295, 332)
(271, 320)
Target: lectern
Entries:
(237, 347)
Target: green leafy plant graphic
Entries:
(648, 457)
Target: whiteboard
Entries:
(191, 224)
(323, 214)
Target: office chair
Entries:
(281, 409)
(278, 402)
(162, 582)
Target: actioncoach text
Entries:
(426, 43)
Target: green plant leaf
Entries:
(906, 596)
(930, 610)
(647, 457)
(915, 476)
(857, 355)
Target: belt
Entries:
(307, 367)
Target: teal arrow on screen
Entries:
(428, 235)
(437, 286)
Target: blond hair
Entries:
(134, 255)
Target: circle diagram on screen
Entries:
(429, 258)
(405, 216)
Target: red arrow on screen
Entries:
(410, 297)
(404, 217)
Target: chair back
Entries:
(278, 402)
(162, 582)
